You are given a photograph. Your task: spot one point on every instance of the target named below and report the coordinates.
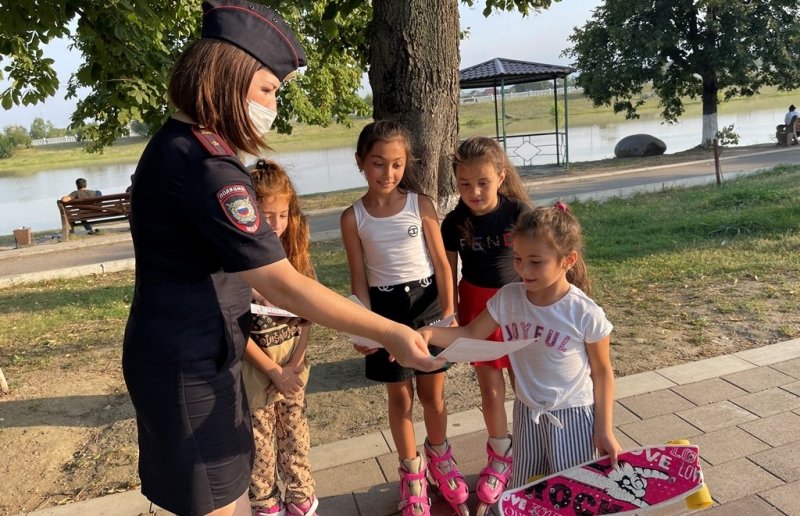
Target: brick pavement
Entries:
(742, 410)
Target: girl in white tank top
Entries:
(398, 268)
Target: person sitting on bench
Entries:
(82, 193)
(789, 121)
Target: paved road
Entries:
(115, 244)
(111, 250)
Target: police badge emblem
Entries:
(239, 207)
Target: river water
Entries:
(31, 201)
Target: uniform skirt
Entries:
(472, 301)
(195, 437)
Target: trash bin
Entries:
(782, 135)
(23, 237)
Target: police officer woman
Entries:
(200, 245)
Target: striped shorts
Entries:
(543, 449)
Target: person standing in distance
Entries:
(201, 244)
(789, 120)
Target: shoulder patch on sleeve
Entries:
(240, 207)
(215, 145)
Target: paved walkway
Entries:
(742, 410)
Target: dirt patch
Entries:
(67, 432)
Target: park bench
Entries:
(97, 210)
(783, 133)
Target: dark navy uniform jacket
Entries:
(193, 216)
(194, 221)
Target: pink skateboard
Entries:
(647, 477)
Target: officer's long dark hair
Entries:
(270, 180)
(209, 83)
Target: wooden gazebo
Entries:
(506, 72)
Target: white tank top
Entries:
(394, 247)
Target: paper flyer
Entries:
(369, 343)
(477, 350)
(272, 311)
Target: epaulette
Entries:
(212, 142)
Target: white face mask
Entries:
(261, 116)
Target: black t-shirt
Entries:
(194, 220)
(484, 242)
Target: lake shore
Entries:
(529, 114)
(343, 198)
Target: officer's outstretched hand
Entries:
(364, 350)
(409, 349)
(286, 379)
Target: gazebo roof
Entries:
(499, 71)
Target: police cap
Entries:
(256, 29)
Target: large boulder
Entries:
(639, 145)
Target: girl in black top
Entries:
(478, 231)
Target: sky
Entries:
(540, 38)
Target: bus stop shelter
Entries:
(500, 72)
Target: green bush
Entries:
(18, 136)
(6, 147)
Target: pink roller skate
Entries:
(444, 475)
(414, 499)
(307, 508)
(493, 479)
(275, 510)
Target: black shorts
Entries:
(415, 304)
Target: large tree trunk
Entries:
(413, 71)
(710, 126)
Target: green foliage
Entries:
(6, 147)
(56, 132)
(727, 136)
(39, 128)
(18, 135)
(685, 49)
(525, 7)
(129, 47)
(533, 86)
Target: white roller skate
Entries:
(414, 499)
(445, 476)
(495, 476)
